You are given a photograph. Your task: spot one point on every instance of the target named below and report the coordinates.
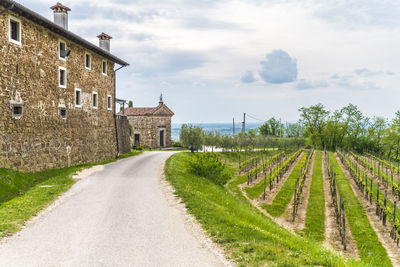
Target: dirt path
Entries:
(390, 194)
(260, 176)
(270, 195)
(333, 239)
(300, 218)
(383, 232)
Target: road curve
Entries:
(116, 217)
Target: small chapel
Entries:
(151, 126)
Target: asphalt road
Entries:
(116, 217)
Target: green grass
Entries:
(315, 216)
(21, 194)
(256, 190)
(282, 199)
(247, 236)
(369, 247)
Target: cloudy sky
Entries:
(214, 60)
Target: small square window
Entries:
(109, 102)
(63, 113)
(16, 110)
(14, 30)
(62, 77)
(95, 100)
(78, 98)
(104, 67)
(88, 61)
(62, 51)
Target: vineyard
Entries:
(345, 201)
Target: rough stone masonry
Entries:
(41, 125)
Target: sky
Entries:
(215, 60)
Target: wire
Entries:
(254, 118)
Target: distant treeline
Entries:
(346, 127)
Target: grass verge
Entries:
(23, 195)
(368, 244)
(247, 236)
(284, 196)
(315, 216)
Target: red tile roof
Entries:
(138, 111)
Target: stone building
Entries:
(57, 92)
(151, 125)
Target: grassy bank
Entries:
(248, 237)
(371, 250)
(315, 216)
(23, 195)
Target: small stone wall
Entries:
(124, 144)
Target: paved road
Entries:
(117, 217)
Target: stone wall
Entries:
(148, 127)
(40, 138)
(124, 141)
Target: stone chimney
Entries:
(104, 41)
(61, 15)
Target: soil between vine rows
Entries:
(381, 231)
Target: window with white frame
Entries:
(62, 77)
(104, 67)
(78, 98)
(14, 30)
(62, 48)
(109, 102)
(95, 100)
(88, 61)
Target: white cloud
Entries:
(177, 45)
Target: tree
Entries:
(314, 121)
(130, 104)
(191, 136)
(264, 129)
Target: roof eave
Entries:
(35, 17)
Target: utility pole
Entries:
(280, 126)
(233, 129)
(244, 124)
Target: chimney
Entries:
(104, 41)
(61, 15)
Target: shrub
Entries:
(210, 167)
(139, 148)
(177, 144)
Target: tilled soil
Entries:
(383, 232)
(270, 195)
(390, 194)
(333, 239)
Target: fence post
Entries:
(265, 184)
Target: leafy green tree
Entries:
(191, 136)
(130, 103)
(264, 129)
(313, 119)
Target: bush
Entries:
(177, 144)
(140, 148)
(209, 166)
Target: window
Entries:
(88, 61)
(63, 112)
(78, 98)
(109, 102)
(62, 77)
(16, 110)
(104, 67)
(95, 100)
(14, 31)
(62, 51)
